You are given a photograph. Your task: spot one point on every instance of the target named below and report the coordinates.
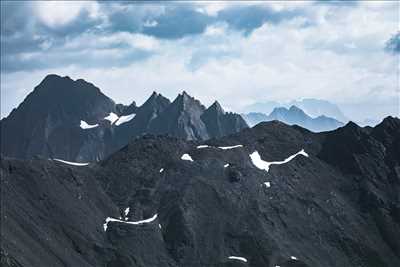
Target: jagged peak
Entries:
(294, 108)
(216, 107)
(279, 110)
(391, 124)
(389, 121)
(351, 125)
(50, 78)
(156, 98)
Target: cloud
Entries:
(227, 51)
(35, 34)
(250, 17)
(60, 13)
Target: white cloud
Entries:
(59, 13)
(332, 53)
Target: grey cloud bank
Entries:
(344, 52)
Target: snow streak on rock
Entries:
(237, 258)
(124, 119)
(109, 219)
(84, 125)
(112, 117)
(72, 163)
(264, 165)
(126, 212)
(229, 147)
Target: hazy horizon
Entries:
(343, 52)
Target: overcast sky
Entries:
(237, 53)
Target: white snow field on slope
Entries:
(237, 258)
(124, 119)
(202, 146)
(72, 163)
(109, 219)
(112, 117)
(264, 165)
(186, 157)
(84, 125)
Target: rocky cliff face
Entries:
(273, 195)
(73, 120)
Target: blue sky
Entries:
(238, 53)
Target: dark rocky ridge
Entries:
(47, 123)
(339, 207)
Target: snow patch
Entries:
(229, 147)
(72, 163)
(126, 212)
(293, 258)
(159, 226)
(237, 258)
(84, 125)
(186, 157)
(264, 165)
(109, 219)
(124, 119)
(267, 184)
(112, 117)
(202, 146)
(161, 170)
(226, 165)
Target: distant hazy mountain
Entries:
(313, 107)
(294, 115)
(318, 107)
(254, 118)
(74, 120)
(265, 107)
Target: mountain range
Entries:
(73, 120)
(294, 116)
(313, 107)
(271, 195)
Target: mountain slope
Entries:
(272, 195)
(73, 120)
(295, 115)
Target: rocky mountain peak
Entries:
(216, 108)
